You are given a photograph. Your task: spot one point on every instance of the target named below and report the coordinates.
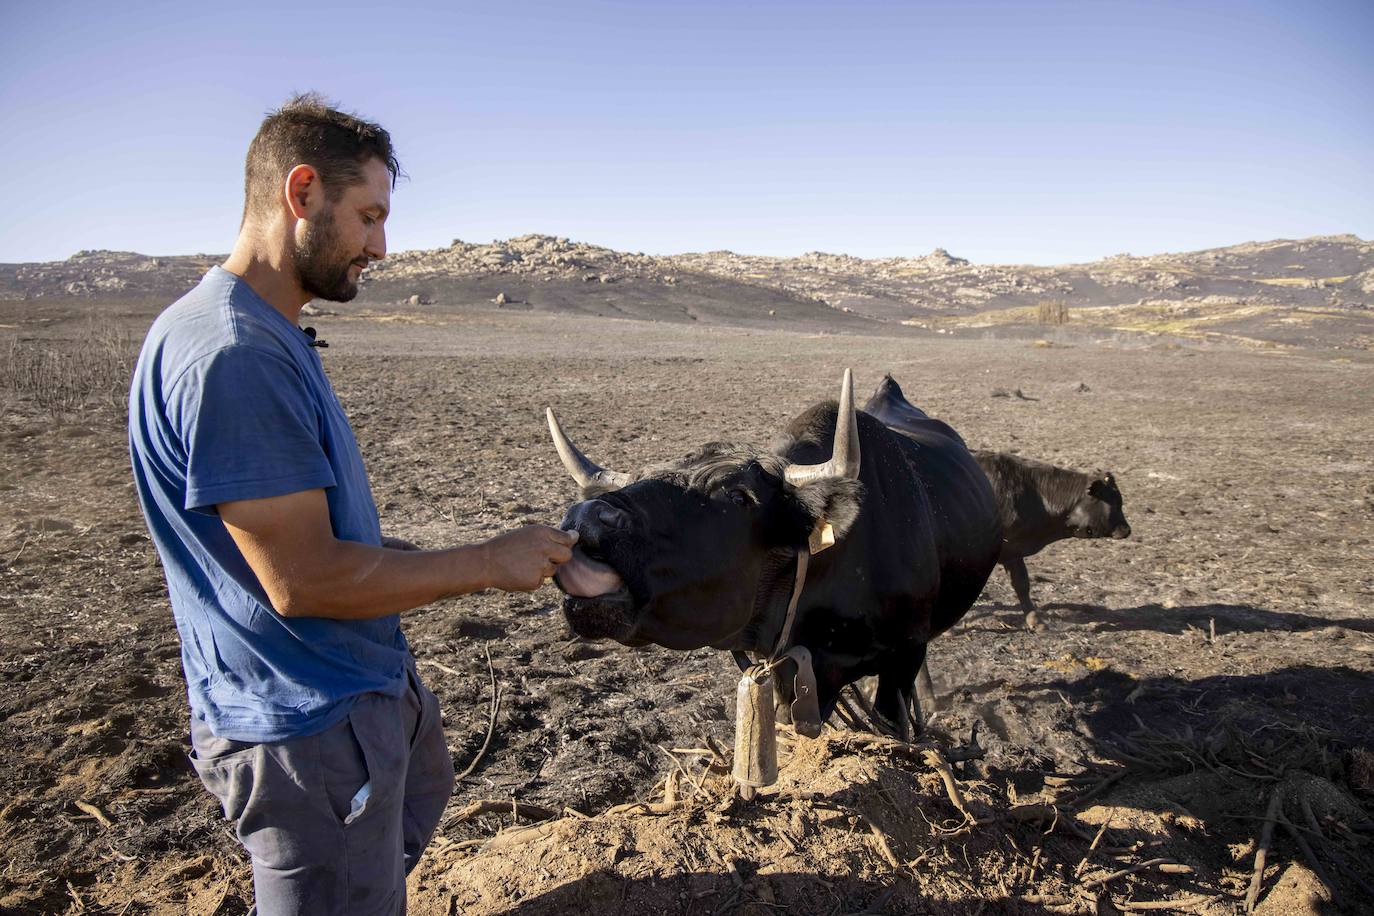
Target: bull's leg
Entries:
(925, 691)
(1020, 583)
(896, 693)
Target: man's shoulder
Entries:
(220, 314)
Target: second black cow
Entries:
(1038, 503)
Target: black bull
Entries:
(699, 552)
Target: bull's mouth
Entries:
(598, 604)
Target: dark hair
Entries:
(310, 130)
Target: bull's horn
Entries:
(583, 470)
(844, 456)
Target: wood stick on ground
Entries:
(1043, 811)
(1093, 846)
(1306, 807)
(466, 844)
(1327, 846)
(1092, 791)
(880, 840)
(671, 782)
(518, 836)
(1186, 903)
(1353, 872)
(700, 782)
(521, 809)
(645, 808)
(936, 761)
(721, 759)
(94, 811)
(1266, 835)
(1034, 864)
(1311, 857)
(491, 721)
(451, 672)
(76, 898)
(1139, 866)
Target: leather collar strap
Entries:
(784, 637)
(742, 658)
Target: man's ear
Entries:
(831, 500)
(304, 192)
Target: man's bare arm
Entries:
(307, 572)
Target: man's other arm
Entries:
(307, 572)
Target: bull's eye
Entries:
(739, 497)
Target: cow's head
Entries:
(1098, 512)
(673, 555)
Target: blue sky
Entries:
(1015, 131)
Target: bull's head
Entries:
(674, 555)
(1099, 513)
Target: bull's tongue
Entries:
(584, 577)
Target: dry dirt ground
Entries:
(1210, 671)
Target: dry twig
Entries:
(1184, 904)
(1093, 846)
(451, 672)
(520, 809)
(1266, 834)
(94, 811)
(1139, 866)
(491, 721)
(936, 761)
(1311, 857)
(518, 836)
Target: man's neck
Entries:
(267, 269)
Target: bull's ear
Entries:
(832, 501)
(1100, 488)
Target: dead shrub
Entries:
(1052, 311)
(62, 376)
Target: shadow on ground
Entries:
(1229, 618)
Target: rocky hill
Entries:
(1308, 291)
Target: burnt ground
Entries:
(1221, 655)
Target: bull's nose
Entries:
(1122, 532)
(595, 515)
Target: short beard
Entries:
(320, 265)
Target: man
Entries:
(308, 721)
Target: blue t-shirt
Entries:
(230, 402)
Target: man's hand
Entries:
(307, 572)
(520, 560)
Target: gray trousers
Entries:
(334, 822)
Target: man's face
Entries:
(333, 249)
